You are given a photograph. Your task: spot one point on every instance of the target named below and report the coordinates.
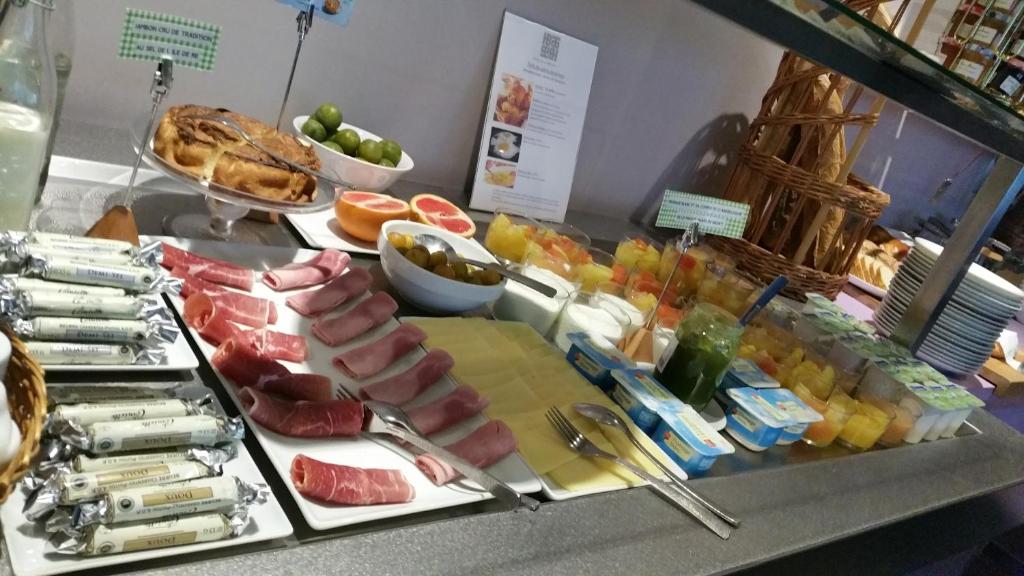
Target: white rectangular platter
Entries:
(321, 230)
(360, 452)
(26, 541)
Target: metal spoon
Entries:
(602, 415)
(434, 244)
(397, 423)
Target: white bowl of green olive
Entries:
(428, 280)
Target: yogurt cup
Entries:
(920, 399)
(754, 421)
(595, 360)
(585, 314)
(689, 440)
(797, 409)
(523, 304)
(643, 398)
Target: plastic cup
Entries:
(901, 425)
(838, 410)
(865, 427)
(587, 313)
(523, 304)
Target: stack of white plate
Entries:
(975, 316)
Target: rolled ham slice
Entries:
(331, 295)
(304, 419)
(276, 345)
(486, 446)
(372, 358)
(443, 413)
(347, 485)
(249, 310)
(403, 387)
(193, 284)
(205, 268)
(363, 317)
(325, 266)
(246, 367)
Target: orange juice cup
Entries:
(837, 412)
(865, 427)
(906, 417)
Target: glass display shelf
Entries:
(829, 33)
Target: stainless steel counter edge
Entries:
(784, 510)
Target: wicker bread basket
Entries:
(26, 396)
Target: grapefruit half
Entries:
(440, 213)
(361, 214)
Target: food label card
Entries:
(533, 121)
(334, 11)
(151, 35)
(714, 215)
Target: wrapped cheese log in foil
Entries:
(206, 454)
(107, 437)
(131, 278)
(79, 354)
(147, 256)
(63, 394)
(149, 332)
(67, 240)
(98, 540)
(219, 494)
(24, 304)
(58, 461)
(66, 488)
(92, 413)
(10, 283)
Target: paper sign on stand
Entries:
(714, 215)
(533, 122)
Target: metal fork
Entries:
(579, 443)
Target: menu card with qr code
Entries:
(533, 121)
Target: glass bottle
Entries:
(708, 339)
(27, 98)
(60, 36)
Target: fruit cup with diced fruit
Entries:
(597, 273)
(642, 290)
(638, 253)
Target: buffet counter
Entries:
(786, 506)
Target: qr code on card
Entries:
(549, 47)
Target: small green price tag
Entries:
(714, 215)
(150, 35)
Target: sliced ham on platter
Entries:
(363, 317)
(248, 368)
(484, 447)
(403, 387)
(376, 356)
(331, 295)
(203, 314)
(211, 269)
(275, 345)
(447, 411)
(338, 484)
(326, 419)
(325, 266)
(235, 307)
(192, 284)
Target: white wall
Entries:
(673, 92)
(417, 71)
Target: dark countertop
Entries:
(785, 510)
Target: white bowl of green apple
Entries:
(357, 157)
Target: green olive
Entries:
(444, 270)
(461, 270)
(419, 256)
(488, 277)
(437, 259)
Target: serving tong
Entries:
(388, 419)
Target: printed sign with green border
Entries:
(714, 215)
(150, 35)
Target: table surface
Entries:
(785, 510)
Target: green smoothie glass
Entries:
(708, 339)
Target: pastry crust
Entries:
(210, 150)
